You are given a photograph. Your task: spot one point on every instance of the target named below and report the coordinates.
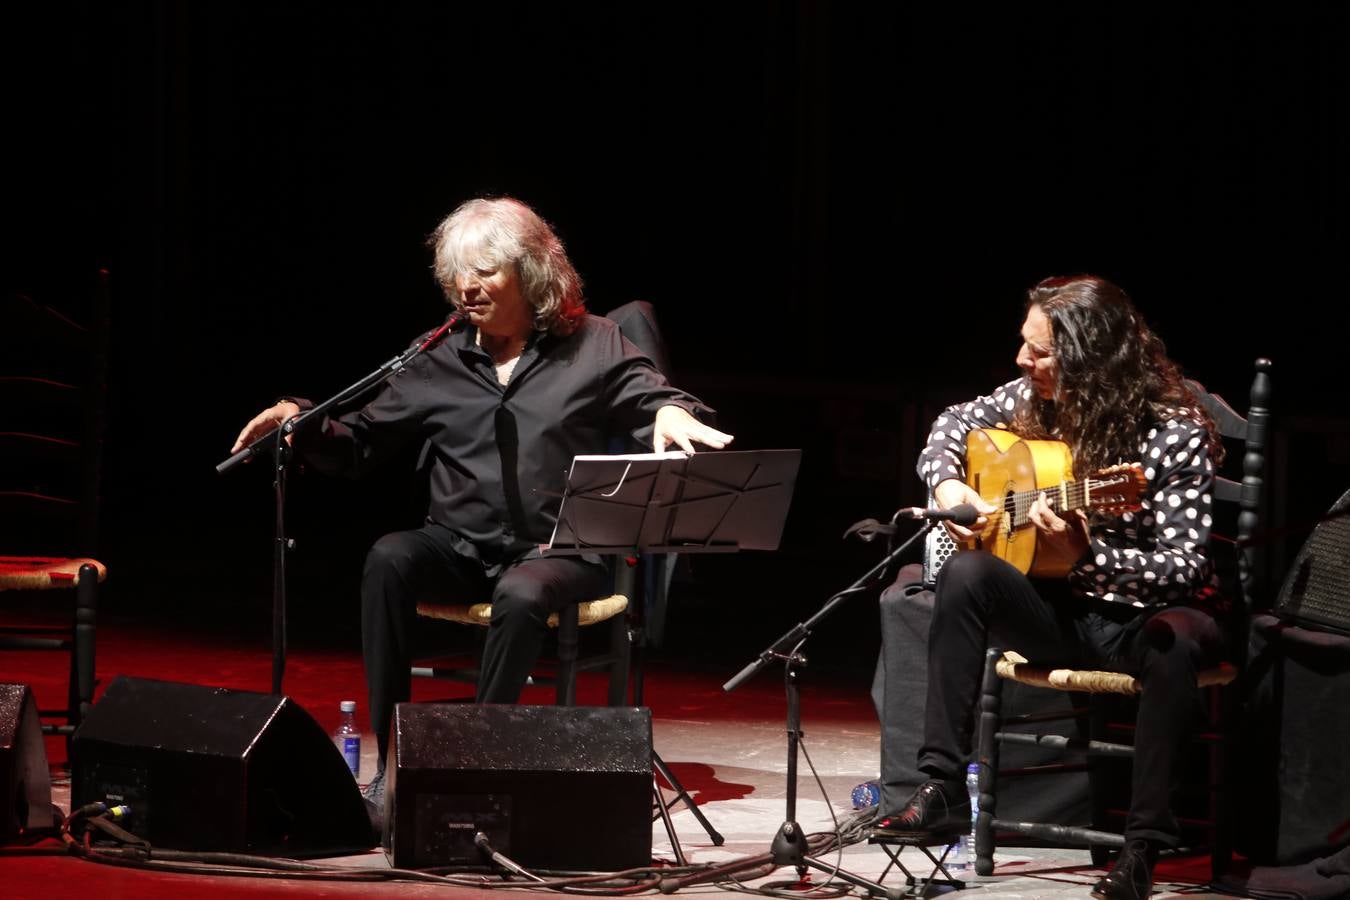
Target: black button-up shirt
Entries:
(498, 455)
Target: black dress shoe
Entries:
(937, 809)
(1132, 876)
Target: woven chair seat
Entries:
(588, 612)
(28, 573)
(1014, 667)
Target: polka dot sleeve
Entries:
(1158, 555)
(945, 455)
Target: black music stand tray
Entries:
(674, 502)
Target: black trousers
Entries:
(984, 602)
(406, 567)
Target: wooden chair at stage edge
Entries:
(1241, 568)
(638, 323)
(53, 382)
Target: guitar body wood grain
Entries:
(1001, 464)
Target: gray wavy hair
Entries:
(504, 231)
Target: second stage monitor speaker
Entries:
(552, 787)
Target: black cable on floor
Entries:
(79, 829)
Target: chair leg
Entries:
(1224, 711)
(81, 696)
(620, 648)
(1109, 777)
(991, 714)
(567, 656)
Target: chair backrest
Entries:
(637, 321)
(53, 384)
(1242, 503)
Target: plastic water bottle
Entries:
(347, 738)
(866, 794)
(967, 848)
(956, 861)
(961, 856)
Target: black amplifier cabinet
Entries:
(552, 787)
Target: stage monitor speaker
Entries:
(552, 787)
(206, 768)
(25, 783)
(1316, 591)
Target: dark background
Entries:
(835, 209)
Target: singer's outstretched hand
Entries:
(674, 425)
(954, 492)
(266, 422)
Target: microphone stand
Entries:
(276, 442)
(789, 844)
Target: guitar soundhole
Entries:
(1010, 517)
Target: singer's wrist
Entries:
(299, 403)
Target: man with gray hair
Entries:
(501, 407)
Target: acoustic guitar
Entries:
(1010, 473)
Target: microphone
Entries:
(962, 514)
(457, 318)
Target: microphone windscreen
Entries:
(964, 514)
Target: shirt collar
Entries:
(466, 344)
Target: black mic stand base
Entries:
(789, 847)
(789, 844)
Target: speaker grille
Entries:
(552, 787)
(1316, 591)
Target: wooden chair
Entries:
(1238, 564)
(52, 387)
(567, 624)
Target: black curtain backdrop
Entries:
(836, 210)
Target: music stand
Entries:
(674, 502)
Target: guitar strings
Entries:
(1074, 488)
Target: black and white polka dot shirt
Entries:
(1156, 556)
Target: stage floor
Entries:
(728, 749)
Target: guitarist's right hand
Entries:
(954, 492)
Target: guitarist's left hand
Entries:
(1067, 534)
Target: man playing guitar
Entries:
(1097, 379)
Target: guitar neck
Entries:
(1005, 468)
(1064, 497)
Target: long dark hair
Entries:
(1115, 378)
